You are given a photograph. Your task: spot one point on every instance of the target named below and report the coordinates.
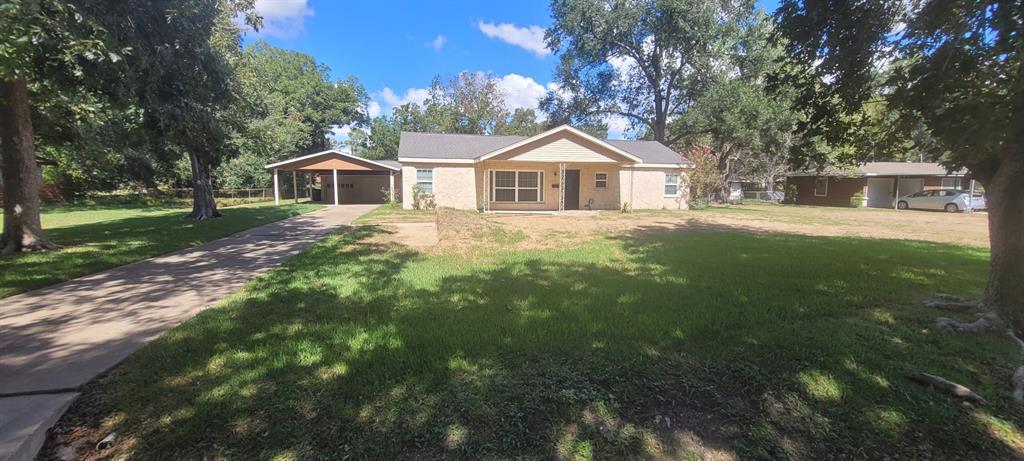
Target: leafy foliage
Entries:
(293, 108)
(641, 59)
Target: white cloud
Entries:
(529, 38)
(283, 18)
(373, 109)
(617, 126)
(416, 95)
(520, 91)
(341, 131)
(438, 42)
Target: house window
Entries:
(517, 186)
(425, 180)
(601, 180)
(671, 184)
(950, 183)
(820, 187)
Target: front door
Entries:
(572, 189)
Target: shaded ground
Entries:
(98, 237)
(659, 340)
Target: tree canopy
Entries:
(645, 60)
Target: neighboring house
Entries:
(879, 183)
(560, 169)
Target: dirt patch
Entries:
(455, 225)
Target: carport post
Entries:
(277, 193)
(391, 186)
(335, 185)
(896, 203)
(295, 185)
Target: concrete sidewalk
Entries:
(55, 339)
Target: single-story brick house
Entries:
(560, 169)
(879, 183)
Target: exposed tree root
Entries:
(1018, 376)
(953, 303)
(948, 386)
(988, 320)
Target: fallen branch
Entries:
(948, 386)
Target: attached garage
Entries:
(358, 180)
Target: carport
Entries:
(344, 178)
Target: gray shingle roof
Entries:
(470, 146)
(393, 163)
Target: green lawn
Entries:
(98, 237)
(683, 344)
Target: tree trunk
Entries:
(23, 230)
(203, 204)
(1004, 196)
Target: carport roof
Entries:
(886, 169)
(318, 161)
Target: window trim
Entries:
(816, 179)
(431, 182)
(955, 179)
(665, 184)
(494, 186)
(597, 181)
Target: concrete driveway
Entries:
(55, 339)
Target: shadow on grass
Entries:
(655, 344)
(93, 247)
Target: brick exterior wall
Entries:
(644, 188)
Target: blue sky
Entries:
(396, 48)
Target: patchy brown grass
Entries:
(457, 229)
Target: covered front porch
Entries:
(343, 178)
(548, 186)
(559, 172)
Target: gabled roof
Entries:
(886, 169)
(465, 147)
(388, 164)
(566, 129)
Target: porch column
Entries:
(561, 187)
(335, 185)
(391, 186)
(277, 193)
(295, 186)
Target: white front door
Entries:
(880, 192)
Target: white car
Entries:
(951, 200)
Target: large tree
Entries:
(46, 47)
(645, 60)
(959, 67)
(293, 106)
(182, 74)
(747, 126)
